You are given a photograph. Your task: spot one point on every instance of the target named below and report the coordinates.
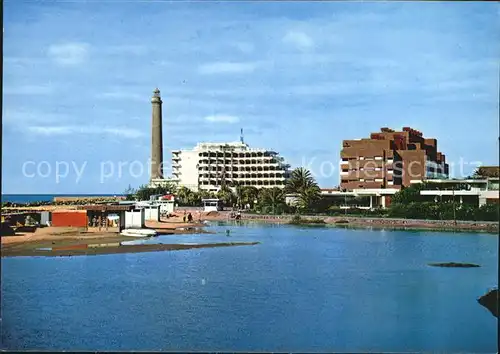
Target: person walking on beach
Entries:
(190, 217)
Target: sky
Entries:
(298, 77)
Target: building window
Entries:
(344, 181)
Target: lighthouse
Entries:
(156, 137)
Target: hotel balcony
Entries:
(365, 174)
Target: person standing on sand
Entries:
(184, 217)
(190, 217)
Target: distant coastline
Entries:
(31, 198)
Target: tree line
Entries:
(407, 203)
(264, 200)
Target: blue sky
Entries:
(298, 77)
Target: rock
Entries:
(342, 221)
(454, 265)
(490, 301)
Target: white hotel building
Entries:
(210, 165)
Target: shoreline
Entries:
(368, 222)
(115, 248)
(167, 225)
(61, 241)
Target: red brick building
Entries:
(390, 159)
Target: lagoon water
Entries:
(302, 289)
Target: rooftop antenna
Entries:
(241, 136)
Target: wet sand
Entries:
(69, 241)
(58, 234)
(76, 249)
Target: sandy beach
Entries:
(57, 241)
(93, 240)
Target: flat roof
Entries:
(456, 181)
(106, 207)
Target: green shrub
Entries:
(444, 211)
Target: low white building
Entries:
(479, 191)
(212, 205)
(373, 198)
(210, 165)
(471, 191)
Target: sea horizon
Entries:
(42, 197)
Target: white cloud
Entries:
(28, 90)
(66, 130)
(226, 68)
(69, 53)
(299, 39)
(51, 130)
(124, 132)
(222, 119)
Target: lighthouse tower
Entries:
(156, 137)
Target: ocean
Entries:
(302, 289)
(30, 198)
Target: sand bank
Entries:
(84, 249)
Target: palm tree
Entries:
(194, 198)
(183, 194)
(245, 195)
(227, 196)
(308, 198)
(300, 180)
(303, 184)
(484, 172)
(250, 194)
(144, 192)
(130, 193)
(272, 197)
(238, 190)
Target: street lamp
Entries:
(454, 214)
